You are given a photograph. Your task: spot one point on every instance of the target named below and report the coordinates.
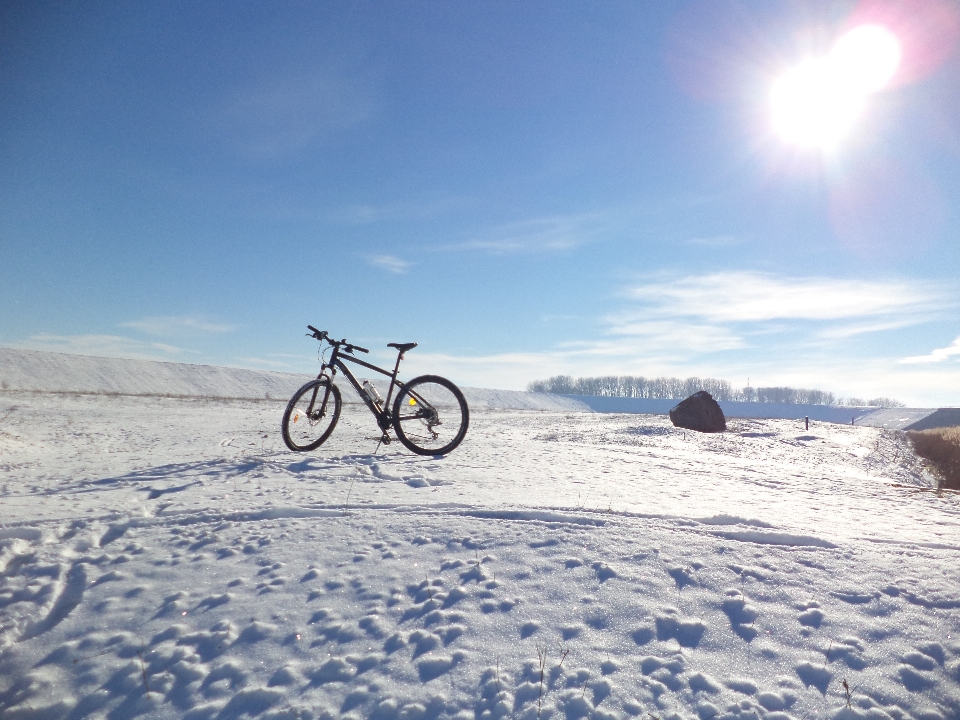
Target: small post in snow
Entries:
(806, 422)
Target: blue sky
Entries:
(525, 189)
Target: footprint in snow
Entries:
(814, 675)
(423, 642)
(70, 596)
(213, 601)
(604, 572)
(776, 701)
(686, 631)
(114, 532)
(682, 576)
(333, 670)
(255, 632)
(549, 542)
(741, 685)
(701, 682)
(849, 651)
(741, 614)
(812, 616)
(283, 677)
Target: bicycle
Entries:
(429, 414)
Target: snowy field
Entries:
(169, 558)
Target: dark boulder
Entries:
(699, 412)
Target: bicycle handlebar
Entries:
(322, 335)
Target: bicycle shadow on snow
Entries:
(396, 467)
(197, 472)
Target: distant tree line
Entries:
(671, 388)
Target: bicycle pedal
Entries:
(385, 439)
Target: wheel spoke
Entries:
(305, 425)
(430, 415)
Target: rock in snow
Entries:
(699, 412)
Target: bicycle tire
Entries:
(301, 428)
(422, 406)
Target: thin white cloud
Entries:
(275, 116)
(799, 328)
(538, 235)
(389, 262)
(843, 331)
(369, 213)
(103, 346)
(173, 326)
(716, 241)
(754, 297)
(938, 355)
(677, 335)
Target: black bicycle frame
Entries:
(384, 417)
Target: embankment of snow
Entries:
(488, 399)
(40, 371)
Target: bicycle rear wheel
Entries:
(430, 415)
(311, 415)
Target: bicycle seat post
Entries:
(396, 368)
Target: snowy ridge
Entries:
(40, 371)
(59, 372)
(488, 399)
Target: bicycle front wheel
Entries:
(311, 415)
(430, 415)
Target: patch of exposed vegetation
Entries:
(941, 446)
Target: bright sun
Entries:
(815, 103)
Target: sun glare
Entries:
(818, 101)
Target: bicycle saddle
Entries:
(402, 347)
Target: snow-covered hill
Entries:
(59, 372)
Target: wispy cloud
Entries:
(716, 241)
(729, 297)
(390, 263)
(795, 330)
(849, 330)
(275, 116)
(938, 355)
(370, 213)
(177, 326)
(678, 335)
(104, 346)
(538, 235)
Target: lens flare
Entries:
(866, 58)
(817, 102)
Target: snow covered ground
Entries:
(168, 558)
